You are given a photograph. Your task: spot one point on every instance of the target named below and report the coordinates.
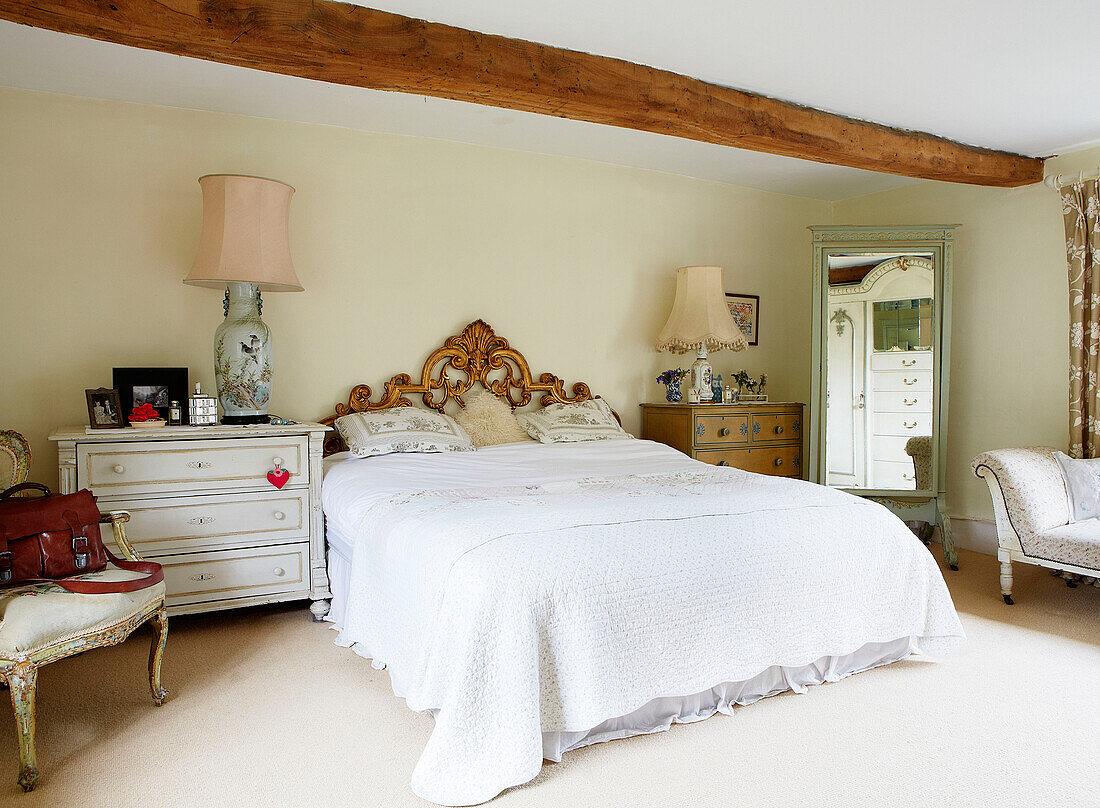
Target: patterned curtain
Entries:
(1081, 211)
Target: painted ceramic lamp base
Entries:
(242, 357)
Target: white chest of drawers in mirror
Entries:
(900, 402)
(201, 504)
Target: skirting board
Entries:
(979, 535)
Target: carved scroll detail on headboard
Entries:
(477, 353)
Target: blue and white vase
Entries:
(242, 357)
(672, 393)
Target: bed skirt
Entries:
(660, 714)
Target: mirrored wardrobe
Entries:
(881, 336)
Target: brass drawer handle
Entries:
(779, 461)
(200, 520)
(779, 430)
(722, 463)
(908, 403)
(908, 364)
(908, 477)
(909, 381)
(908, 425)
(723, 432)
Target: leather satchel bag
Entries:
(51, 538)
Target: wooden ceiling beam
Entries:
(362, 47)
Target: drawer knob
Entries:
(279, 572)
(723, 431)
(278, 461)
(118, 468)
(280, 515)
(203, 576)
(910, 381)
(779, 461)
(779, 430)
(796, 462)
(722, 463)
(200, 520)
(200, 464)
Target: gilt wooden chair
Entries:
(15, 459)
(43, 623)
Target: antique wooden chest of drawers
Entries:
(765, 438)
(201, 504)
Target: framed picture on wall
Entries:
(155, 386)
(746, 313)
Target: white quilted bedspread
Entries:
(562, 600)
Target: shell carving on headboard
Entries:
(477, 355)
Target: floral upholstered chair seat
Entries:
(42, 623)
(1032, 511)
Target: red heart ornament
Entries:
(278, 477)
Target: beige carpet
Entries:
(267, 711)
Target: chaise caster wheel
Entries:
(1008, 600)
(955, 567)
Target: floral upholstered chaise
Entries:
(1033, 516)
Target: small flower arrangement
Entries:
(671, 380)
(670, 377)
(748, 385)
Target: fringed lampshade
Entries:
(700, 321)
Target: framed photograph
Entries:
(104, 409)
(155, 386)
(746, 313)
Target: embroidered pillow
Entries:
(1082, 478)
(569, 423)
(489, 420)
(401, 429)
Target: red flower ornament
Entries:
(146, 412)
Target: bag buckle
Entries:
(80, 552)
(5, 567)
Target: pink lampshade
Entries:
(245, 234)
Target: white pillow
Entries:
(489, 420)
(401, 429)
(569, 423)
(1082, 478)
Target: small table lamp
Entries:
(700, 321)
(244, 249)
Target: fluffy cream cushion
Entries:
(489, 420)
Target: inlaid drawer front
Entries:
(914, 401)
(783, 461)
(774, 427)
(903, 423)
(890, 474)
(903, 380)
(111, 469)
(199, 577)
(174, 524)
(901, 360)
(721, 430)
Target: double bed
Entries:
(540, 597)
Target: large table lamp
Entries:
(244, 249)
(700, 321)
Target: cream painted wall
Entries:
(1009, 340)
(398, 241)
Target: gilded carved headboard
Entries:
(476, 354)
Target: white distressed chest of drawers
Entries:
(201, 504)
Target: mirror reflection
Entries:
(879, 388)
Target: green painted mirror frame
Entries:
(929, 505)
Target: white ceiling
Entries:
(1000, 73)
